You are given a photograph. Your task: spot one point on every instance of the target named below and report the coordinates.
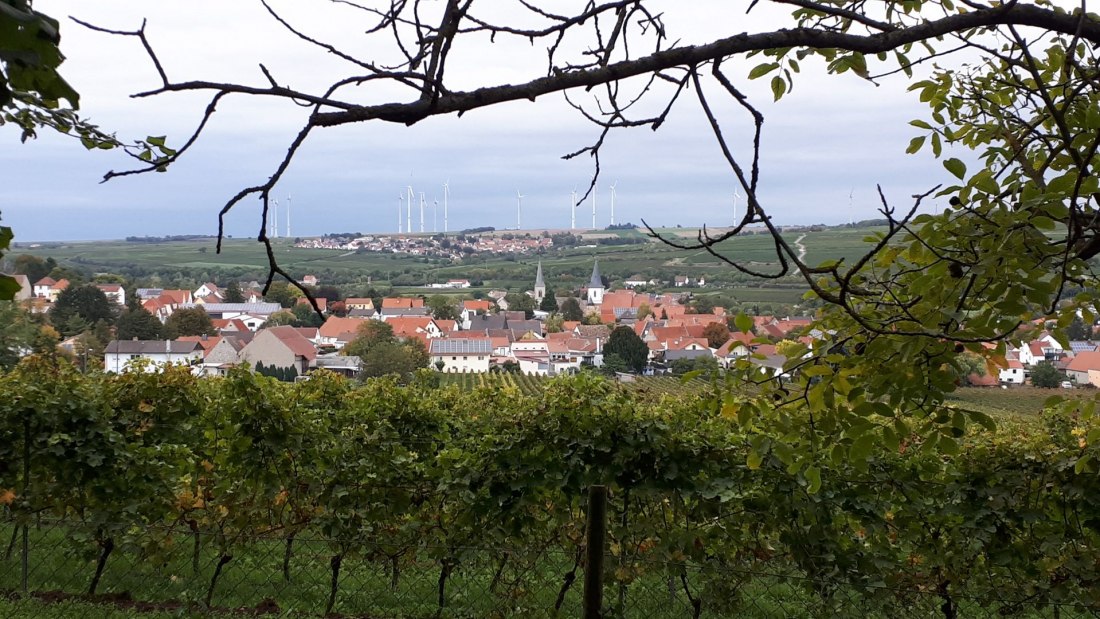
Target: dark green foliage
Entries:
(190, 321)
(1045, 375)
(626, 344)
(571, 310)
(233, 293)
(79, 307)
(138, 324)
(549, 303)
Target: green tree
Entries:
(283, 294)
(702, 304)
(138, 324)
(1078, 330)
(443, 308)
(571, 310)
(282, 318)
(18, 332)
(80, 305)
(190, 321)
(554, 323)
(1046, 376)
(626, 344)
(549, 303)
(233, 293)
(33, 267)
(392, 358)
(304, 316)
(613, 363)
(368, 335)
(520, 302)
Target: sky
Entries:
(825, 146)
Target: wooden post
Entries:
(596, 542)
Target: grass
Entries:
(1020, 401)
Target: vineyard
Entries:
(530, 384)
(384, 500)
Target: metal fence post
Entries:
(596, 542)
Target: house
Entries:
(1013, 373)
(348, 367)
(636, 281)
(337, 331)
(461, 354)
(310, 280)
(283, 347)
(56, 289)
(402, 302)
(1084, 369)
(114, 293)
(358, 303)
(119, 354)
(322, 303)
(207, 290)
(42, 287)
(249, 313)
(458, 283)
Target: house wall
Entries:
(461, 363)
(1014, 376)
(222, 352)
(118, 363)
(267, 349)
(1094, 378)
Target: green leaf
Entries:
(754, 460)
(156, 140)
(915, 144)
(813, 479)
(761, 70)
(956, 167)
(1082, 464)
(743, 322)
(861, 447)
(778, 87)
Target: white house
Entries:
(1013, 374)
(121, 353)
(461, 354)
(114, 293)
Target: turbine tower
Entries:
(400, 202)
(288, 216)
(595, 190)
(275, 219)
(435, 215)
(573, 210)
(736, 197)
(421, 212)
(613, 202)
(519, 208)
(409, 211)
(446, 190)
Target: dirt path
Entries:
(801, 248)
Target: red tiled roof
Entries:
(336, 325)
(1083, 362)
(45, 281)
(295, 341)
(402, 302)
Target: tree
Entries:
(717, 333)
(233, 293)
(592, 318)
(549, 303)
(33, 267)
(614, 364)
(626, 344)
(571, 310)
(281, 293)
(190, 321)
(78, 305)
(18, 332)
(702, 304)
(443, 308)
(282, 318)
(519, 302)
(394, 358)
(304, 316)
(554, 324)
(644, 310)
(1077, 330)
(138, 324)
(1013, 81)
(1046, 376)
(369, 334)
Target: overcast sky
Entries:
(833, 137)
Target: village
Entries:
(487, 335)
(454, 247)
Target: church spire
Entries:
(540, 285)
(596, 281)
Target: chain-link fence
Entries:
(177, 567)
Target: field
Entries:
(187, 263)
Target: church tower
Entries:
(595, 286)
(540, 285)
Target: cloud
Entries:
(832, 136)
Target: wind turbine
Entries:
(275, 218)
(573, 210)
(850, 194)
(435, 215)
(736, 197)
(288, 215)
(409, 211)
(519, 208)
(400, 201)
(446, 190)
(421, 212)
(613, 202)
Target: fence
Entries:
(309, 574)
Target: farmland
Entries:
(187, 263)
